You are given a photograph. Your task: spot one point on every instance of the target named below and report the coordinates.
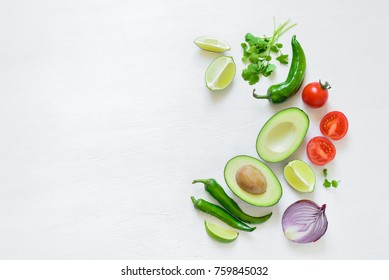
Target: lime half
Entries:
(300, 176)
(220, 234)
(212, 44)
(220, 73)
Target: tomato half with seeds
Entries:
(334, 125)
(320, 150)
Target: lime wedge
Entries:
(220, 73)
(300, 176)
(212, 44)
(220, 234)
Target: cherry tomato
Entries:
(334, 125)
(315, 94)
(320, 150)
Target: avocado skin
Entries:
(269, 198)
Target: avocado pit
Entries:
(251, 179)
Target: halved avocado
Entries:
(282, 134)
(252, 181)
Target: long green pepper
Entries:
(220, 213)
(217, 192)
(281, 92)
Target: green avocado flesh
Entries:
(282, 134)
(273, 190)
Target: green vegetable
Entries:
(258, 51)
(252, 181)
(217, 192)
(327, 183)
(220, 213)
(283, 91)
(282, 134)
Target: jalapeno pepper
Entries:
(279, 93)
(220, 213)
(217, 192)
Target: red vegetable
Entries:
(320, 150)
(334, 125)
(304, 221)
(315, 94)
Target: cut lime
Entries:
(219, 233)
(220, 73)
(212, 44)
(300, 176)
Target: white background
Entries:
(105, 120)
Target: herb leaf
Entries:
(327, 183)
(268, 70)
(258, 52)
(250, 74)
(283, 58)
(335, 183)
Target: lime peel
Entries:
(212, 44)
(220, 73)
(300, 176)
(297, 174)
(219, 233)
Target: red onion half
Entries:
(304, 221)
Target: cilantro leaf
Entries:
(283, 58)
(274, 49)
(268, 70)
(249, 38)
(327, 183)
(335, 183)
(258, 52)
(254, 58)
(250, 74)
(252, 50)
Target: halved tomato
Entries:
(320, 150)
(334, 125)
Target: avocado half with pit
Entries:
(282, 134)
(252, 181)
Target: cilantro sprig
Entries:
(328, 184)
(258, 52)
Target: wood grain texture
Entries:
(105, 120)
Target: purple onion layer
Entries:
(304, 221)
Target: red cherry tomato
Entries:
(320, 150)
(334, 125)
(315, 94)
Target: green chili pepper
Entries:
(220, 213)
(217, 192)
(281, 92)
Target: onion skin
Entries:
(304, 221)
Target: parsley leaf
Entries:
(258, 52)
